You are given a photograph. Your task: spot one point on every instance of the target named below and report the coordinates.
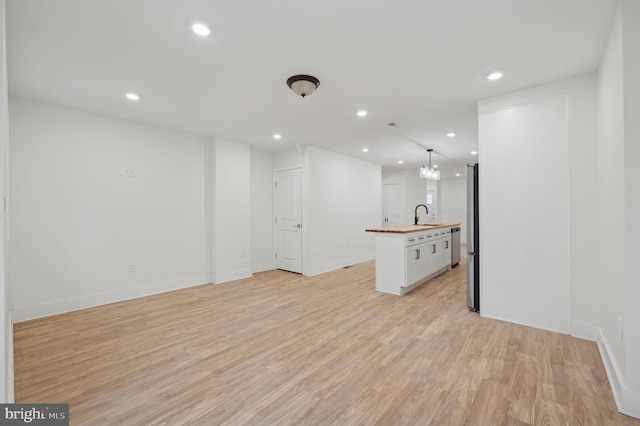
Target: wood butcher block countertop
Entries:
(406, 229)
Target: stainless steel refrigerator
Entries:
(473, 240)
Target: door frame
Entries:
(398, 188)
(275, 210)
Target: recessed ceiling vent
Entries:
(392, 124)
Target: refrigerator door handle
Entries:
(470, 281)
(470, 208)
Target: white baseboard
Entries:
(494, 317)
(584, 331)
(238, 274)
(260, 267)
(337, 264)
(54, 307)
(627, 399)
(9, 354)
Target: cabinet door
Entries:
(418, 260)
(432, 253)
(444, 255)
(411, 259)
(423, 261)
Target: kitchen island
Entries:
(410, 255)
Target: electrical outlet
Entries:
(127, 172)
(131, 267)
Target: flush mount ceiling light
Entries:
(429, 173)
(303, 85)
(201, 29)
(497, 75)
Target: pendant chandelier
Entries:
(429, 173)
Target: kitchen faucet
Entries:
(416, 212)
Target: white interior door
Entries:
(390, 208)
(288, 203)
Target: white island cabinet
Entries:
(407, 256)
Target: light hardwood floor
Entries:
(281, 348)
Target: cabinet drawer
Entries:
(415, 238)
(426, 236)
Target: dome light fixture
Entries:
(303, 85)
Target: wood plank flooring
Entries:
(280, 348)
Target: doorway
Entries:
(288, 219)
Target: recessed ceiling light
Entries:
(474, 152)
(458, 174)
(133, 96)
(277, 136)
(362, 113)
(451, 134)
(400, 161)
(365, 149)
(495, 75)
(435, 166)
(201, 29)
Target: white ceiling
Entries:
(418, 63)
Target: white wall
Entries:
(289, 158)
(6, 335)
(619, 196)
(583, 200)
(343, 199)
(262, 165)
(77, 223)
(453, 203)
(631, 43)
(229, 199)
(232, 207)
(411, 191)
(524, 254)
